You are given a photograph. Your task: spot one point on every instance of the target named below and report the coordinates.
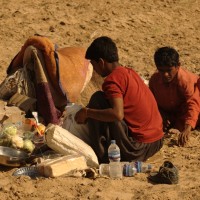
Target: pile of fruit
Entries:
(10, 136)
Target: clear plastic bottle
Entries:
(104, 169)
(143, 167)
(129, 169)
(114, 152)
(115, 167)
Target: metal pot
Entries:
(12, 157)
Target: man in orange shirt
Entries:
(177, 93)
(125, 111)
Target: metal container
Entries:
(12, 157)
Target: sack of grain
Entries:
(62, 141)
(62, 165)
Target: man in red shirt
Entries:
(177, 93)
(125, 110)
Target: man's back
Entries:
(140, 109)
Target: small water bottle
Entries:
(129, 169)
(104, 169)
(114, 152)
(115, 167)
(143, 167)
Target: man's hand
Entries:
(81, 116)
(116, 112)
(183, 138)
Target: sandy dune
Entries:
(138, 27)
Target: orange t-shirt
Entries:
(141, 113)
(180, 97)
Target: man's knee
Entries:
(98, 101)
(97, 95)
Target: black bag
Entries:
(168, 174)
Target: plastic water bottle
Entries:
(143, 167)
(129, 169)
(114, 152)
(104, 169)
(115, 168)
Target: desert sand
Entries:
(139, 28)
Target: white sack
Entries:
(62, 141)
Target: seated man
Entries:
(177, 93)
(125, 110)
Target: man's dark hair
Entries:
(166, 57)
(102, 47)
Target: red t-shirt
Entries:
(141, 113)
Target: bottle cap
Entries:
(113, 142)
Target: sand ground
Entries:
(138, 27)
